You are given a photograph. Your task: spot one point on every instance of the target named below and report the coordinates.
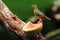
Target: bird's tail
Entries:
(48, 18)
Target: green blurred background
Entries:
(23, 9)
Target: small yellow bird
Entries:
(38, 13)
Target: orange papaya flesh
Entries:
(32, 29)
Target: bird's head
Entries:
(34, 6)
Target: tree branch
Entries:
(12, 23)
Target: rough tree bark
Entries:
(12, 23)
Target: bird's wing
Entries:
(40, 14)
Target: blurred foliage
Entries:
(23, 9)
(53, 34)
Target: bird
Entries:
(38, 14)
